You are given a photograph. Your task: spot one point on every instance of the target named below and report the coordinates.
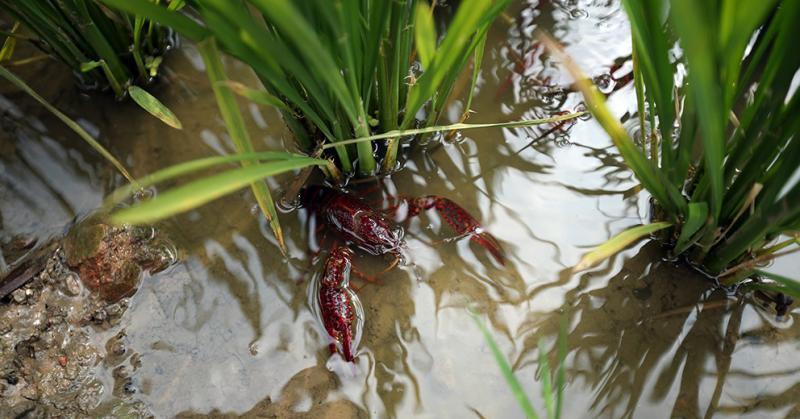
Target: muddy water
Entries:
(228, 330)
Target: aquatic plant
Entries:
(69, 122)
(552, 385)
(343, 69)
(719, 146)
(104, 48)
(343, 75)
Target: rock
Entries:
(19, 296)
(71, 285)
(110, 260)
(50, 361)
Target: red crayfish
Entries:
(354, 221)
(339, 305)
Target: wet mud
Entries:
(61, 351)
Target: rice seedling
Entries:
(721, 156)
(105, 49)
(343, 74)
(552, 385)
(343, 69)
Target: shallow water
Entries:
(229, 330)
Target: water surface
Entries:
(229, 330)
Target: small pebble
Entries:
(19, 296)
(72, 285)
(114, 310)
(129, 388)
(121, 372)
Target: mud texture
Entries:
(60, 352)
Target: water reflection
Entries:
(658, 336)
(229, 331)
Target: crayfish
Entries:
(352, 220)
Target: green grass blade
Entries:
(154, 106)
(9, 44)
(424, 34)
(237, 130)
(477, 59)
(789, 286)
(116, 72)
(547, 386)
(617, 243)
(192, 166)
(199, 192)
(459, 126)
(698, 38)
(450, 51)
(505, 369)
(753, 231)
(162, 15)
(652, 179)
(284, 14)
(255, 95)
(696, 218)
(561, 368)
(68, 122)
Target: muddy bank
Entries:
(62, 353)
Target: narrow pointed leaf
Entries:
(697, 216)
(258, 96)
(85, 136)
(424, 34)
(505, 369)
(192, 166)
(90, 65)
(460, 126)
(162, 15)
(199, 192)
(618, 243)
(547, 385)
(154, 106)
(789, 286)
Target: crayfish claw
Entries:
(460, 221)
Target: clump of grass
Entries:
(343, 69)
(721, 157)
(104, 48)
(344, 74)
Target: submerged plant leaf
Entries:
(617, 243)
(154, 106)
(199, 192)
(505, 369)
(547, 385)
